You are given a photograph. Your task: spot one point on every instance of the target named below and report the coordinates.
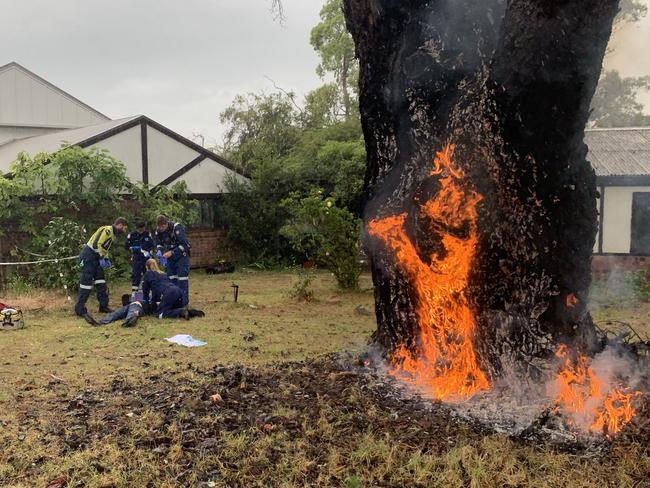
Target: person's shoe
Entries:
(106, 310)
(196, 313)
(185, 313)
(130, 322)
(90, 319)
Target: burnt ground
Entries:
(323, 422)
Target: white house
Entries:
(621, 159)
(36, 116)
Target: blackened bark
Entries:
(511, 86)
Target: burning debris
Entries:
(481, 266)
(588, 395)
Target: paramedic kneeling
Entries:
(157, 287)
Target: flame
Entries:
(591, 403)
(445, 365)
(571, 300)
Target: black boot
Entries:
(106, 309)
(90, 319)
(185, 313)
(195, 313)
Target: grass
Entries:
(340, 436)
(57, 344)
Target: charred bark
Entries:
(510, 86)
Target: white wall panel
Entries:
(617, 221)
(166, 155)
(126, 147)
(207, 177)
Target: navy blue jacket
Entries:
(138, 242)
(154, 285)
(173, 239)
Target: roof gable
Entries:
(27, 100)
(140, 163)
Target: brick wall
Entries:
(603, 266)
(208, 246)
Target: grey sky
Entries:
(629, 52)
(181, 62)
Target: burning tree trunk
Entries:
(481, 213)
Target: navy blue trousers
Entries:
(125, 312)
(178, 272)
(91, 274)
(138, 263)
(171, 303)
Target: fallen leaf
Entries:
(59, 482)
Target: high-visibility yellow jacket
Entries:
(102, 240)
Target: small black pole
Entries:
(235, 291)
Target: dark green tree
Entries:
(331, 39)
(616, 104)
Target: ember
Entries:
(445, 365)
(589, 401)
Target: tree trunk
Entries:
(502, 92)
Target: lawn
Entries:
(263, 404)
(57, 344)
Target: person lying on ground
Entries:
(158, 288)
(130, 313)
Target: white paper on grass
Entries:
(185, 340)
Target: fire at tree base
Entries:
(481, 205)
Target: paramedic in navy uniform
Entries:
(174, 248)
(140, 243)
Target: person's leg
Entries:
(118, 314)
(136, 274)
(88, 263)
(135, 311)
(183, 270)
(172, 271)
(171, 304)
(101, 289)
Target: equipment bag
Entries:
(11, 318)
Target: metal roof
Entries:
(52, 142)
(15, 65)
(620, 151)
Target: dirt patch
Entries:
(324, 422)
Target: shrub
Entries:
(301, 290)
(325, 233)
(61, 237)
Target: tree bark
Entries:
(510, 86)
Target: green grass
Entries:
(56, 343)
(57, 356)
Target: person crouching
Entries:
(158, 288)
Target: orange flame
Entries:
(591, 404)
(445, 365)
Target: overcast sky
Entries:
(181, 62)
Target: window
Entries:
(207, 209)
(640, 239)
